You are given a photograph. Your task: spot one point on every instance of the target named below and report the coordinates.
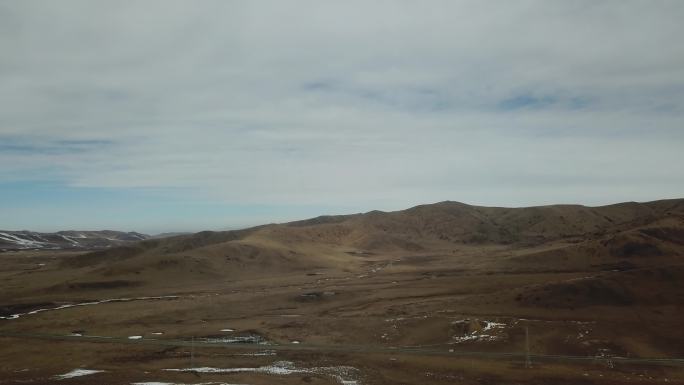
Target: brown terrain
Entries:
(445, 293)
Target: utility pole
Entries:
(192, 353)
(528, 361)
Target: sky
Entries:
(160, 116)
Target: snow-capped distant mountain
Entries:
(84, 240)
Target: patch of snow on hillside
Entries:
(20, 241)
(69, 239)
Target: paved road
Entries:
(513, 356)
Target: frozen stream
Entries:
(344, 375)
(67, 306)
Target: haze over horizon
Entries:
(163, 116)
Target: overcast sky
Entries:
(188, 115)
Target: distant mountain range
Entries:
(65, 240)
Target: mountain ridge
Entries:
(612, 231)
(67, 239)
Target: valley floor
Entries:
(404, 318)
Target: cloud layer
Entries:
(352, 104)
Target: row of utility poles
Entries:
(528, 361)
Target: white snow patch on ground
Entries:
(249, 339)
(257, 354)
(345, 375)
(475, 337)
(154, 383)
(493, 325)
(77, 373)
(175, 383)
(480, 335)
(580, 278)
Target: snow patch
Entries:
(73, 242)
(345, 375)
(20, 241)
(479, 333)
(475, 337)
(175, 383)
(249, 339)
(258, 354)
(493, 325)
(77, 373)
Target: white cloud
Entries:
(373, 104)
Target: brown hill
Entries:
(447, 223)
(557, 237)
